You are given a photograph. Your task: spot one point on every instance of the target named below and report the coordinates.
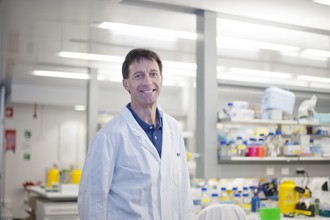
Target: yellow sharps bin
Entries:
(288, 197)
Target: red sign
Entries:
(10, 140)
(9, 112)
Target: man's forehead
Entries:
(140, 64)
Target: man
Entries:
(136, 166)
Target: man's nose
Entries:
(147, 79)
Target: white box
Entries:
(277, 98)
(292, 150)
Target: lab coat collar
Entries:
(140, 133)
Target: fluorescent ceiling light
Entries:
(118, 59)
(146, 31)
(260, 73)
(314, 52)
(79, 107)
(314, 78)
(250, 44)
(243, 78)
(58, 74)
(90, 56)
(324, 2)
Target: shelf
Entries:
(257, 121)
(270, 122)
(258, 160)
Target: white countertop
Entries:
(69, 192)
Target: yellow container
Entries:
(288, 197)
(75, 176)
(53, 177)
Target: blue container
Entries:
(255, 204)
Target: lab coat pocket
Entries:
(177, 171)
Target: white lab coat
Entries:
(124, 177)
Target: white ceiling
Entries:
(35, 30)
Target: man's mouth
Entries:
(148, 91)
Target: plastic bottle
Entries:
(237, 199)
(205, 198)
(228, 110)
(255, 203)
(233, 192)
(269, 145)
(214, 198)
(288, 197)
(278, 143)
(317, 206)
(261, 148)
(241, 147)
(223, 149)
(53, 177)
(246, 203)
(223, 196)
(197, 206)
(252, 148)
(233, 149)
(75, 176)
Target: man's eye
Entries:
(154, 74)
(137, 76)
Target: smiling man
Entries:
(136, 165)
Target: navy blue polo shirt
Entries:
(154, 133)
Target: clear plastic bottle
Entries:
(228, 110)
(278, 143)
(214, 198)
(233, 149)
(205, 198)
(237, 199)
(223, 149)
(197, 206)
(241, 147)
(269, 145)
(223, 196)
(233, 192)
(246, 203)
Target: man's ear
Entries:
(125, 84)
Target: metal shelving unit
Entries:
(271, 160)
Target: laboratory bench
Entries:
(48, 205)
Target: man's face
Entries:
(144, 82)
